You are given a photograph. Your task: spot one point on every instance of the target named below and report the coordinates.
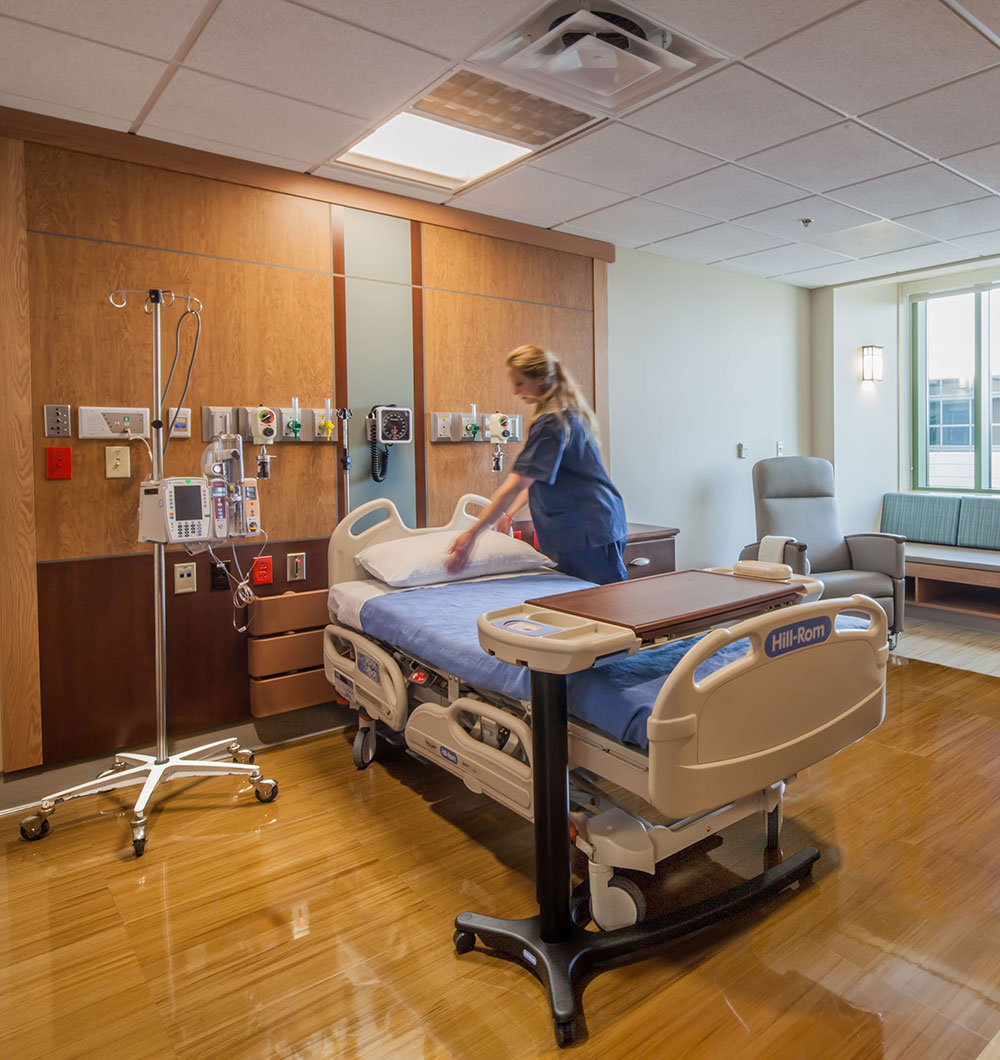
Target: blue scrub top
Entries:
(573, 502)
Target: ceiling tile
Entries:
(879, 237)
(634, 222)
(726, 192)
(290, 50)
(712, 244)
(42, 67)
(148, 26)
(228, 115)
(986, 11)
(925, 187)
(536, 196)
(732, 113)
(793, 257)
(948, 120)
(982, 165)
(844, 153)
(981, 243)
(824, 215)
(738, 28)
(878, 52)
(439, 26)
(625, 159)
(914, 258)
(829, 275)
(967, 218)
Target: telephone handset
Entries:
(387, 425)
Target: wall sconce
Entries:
(871, 364)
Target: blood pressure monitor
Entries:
(176, 511)
(390, 425)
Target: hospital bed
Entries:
(706, 728)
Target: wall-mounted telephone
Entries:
(386, 425)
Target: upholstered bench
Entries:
(952, 549)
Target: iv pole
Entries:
(129, 768)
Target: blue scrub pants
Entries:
(602, 565)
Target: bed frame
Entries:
(720, 749)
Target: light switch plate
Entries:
(117, 461)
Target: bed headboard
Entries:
(347, 541)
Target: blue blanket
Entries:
(437, 624)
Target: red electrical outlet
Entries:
(58, 461)
(262, 571)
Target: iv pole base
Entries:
(128, 769)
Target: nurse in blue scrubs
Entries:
(578, 514)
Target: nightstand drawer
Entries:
(649, 550)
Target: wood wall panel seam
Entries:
(20, 676)
(419, 402)
(109, 143)
(338, 253)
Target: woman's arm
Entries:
(461, 547)
(506, 520)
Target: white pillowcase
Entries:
(421, 559)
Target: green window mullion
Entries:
(920, 439)
(980, 419)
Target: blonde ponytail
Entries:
(559, 393)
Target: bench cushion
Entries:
(979, 523)
(923, 517)
(951, 556)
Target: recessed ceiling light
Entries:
(430, 151)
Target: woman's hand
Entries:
(460, 551)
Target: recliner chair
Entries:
(793, 497)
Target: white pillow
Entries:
(422, 559)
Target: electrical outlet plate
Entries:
(220, 574)
(263, 570)
(182, 427)
(57, 421)
(295, 567)
(216, 420)
(185, 578)
(104, 421)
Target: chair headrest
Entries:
(793, 476)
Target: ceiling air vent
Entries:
(607, 60)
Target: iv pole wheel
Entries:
(266, 790)
(465, 941)
(34, 828)
(364, 747)
(243, 755)
(139, 846)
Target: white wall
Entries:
(699, 360)
(865, 416)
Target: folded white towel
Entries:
(772, 549)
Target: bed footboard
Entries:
(804, 691)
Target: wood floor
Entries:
(320, 925)
(966, 649)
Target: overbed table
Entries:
(558, 635)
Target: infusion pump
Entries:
(187, 511)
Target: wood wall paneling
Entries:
(601, 365)
(20, 695)
(108, 143)
(419, 403)
(76, 194)
(466, 340)
(98, 679)
(265, 337)
(462, 261)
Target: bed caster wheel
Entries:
(627, 905)
(565, 1032)
(139, 846)
(465, 941)
(364, 748)
(244, 756)
(34, 827)
(266, 790)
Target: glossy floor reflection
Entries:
(320, 925)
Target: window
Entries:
(956, 393)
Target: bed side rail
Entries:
(356, 531)
(803, 691)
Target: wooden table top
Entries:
(671, 603)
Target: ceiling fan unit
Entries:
(606, 60)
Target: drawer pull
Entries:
(639, 561)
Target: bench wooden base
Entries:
(946, 588)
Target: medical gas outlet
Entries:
(474, 427)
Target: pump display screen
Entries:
(187, 502)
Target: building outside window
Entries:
(956, 392)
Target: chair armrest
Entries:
(878, 552)
(795, 555)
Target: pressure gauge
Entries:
(393, 424)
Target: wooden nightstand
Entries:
(649, 550)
